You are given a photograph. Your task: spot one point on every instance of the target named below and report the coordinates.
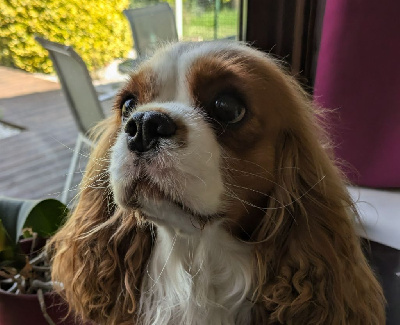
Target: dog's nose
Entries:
(145, 129)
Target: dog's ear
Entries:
(310, 266)
(100, 253)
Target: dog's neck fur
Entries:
(199, 279)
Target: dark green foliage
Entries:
(21, 218)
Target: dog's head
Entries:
(216, 133)
(198, 128)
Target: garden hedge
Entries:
(96, 29)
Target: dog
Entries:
(213, 197)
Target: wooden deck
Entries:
(34, 163)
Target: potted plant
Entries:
(25, 286)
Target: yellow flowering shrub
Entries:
(96, 29)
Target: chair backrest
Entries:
(151, 26)
(76, 84)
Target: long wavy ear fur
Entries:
(100, 253)
(310, 266)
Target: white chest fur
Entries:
(200, 279)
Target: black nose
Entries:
(145, 129)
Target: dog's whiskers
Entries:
(258, 176)
(248, 162)
(282, 206)
(246, 202)
(81, 154)
(95, 179)
(235, 196)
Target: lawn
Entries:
(201, 26)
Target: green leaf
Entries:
(24, 217)
(44, 217)
(5, 240)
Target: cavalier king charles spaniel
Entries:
(212, 197)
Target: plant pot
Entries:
(27, 243)
(21, 309)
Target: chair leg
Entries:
(72, 167)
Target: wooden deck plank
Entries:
(25, 145)
(16, 83)
(35, 162)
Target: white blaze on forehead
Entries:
(172, 64)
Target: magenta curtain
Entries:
(358, 74)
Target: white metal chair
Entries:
(81, 97)
(151, 26)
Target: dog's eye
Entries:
(128, 106)
(229, 109)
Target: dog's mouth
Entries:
(144, 190)
(161, 207)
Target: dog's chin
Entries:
(172, 216)
(158, 208)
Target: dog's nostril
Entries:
(131, 128)
(158, 124)
(145, 129)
